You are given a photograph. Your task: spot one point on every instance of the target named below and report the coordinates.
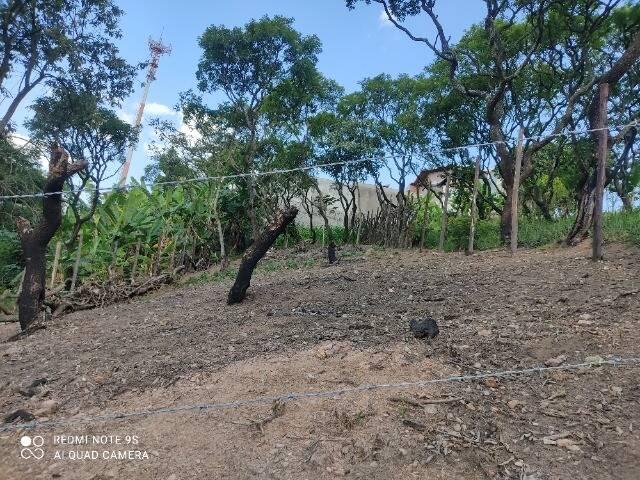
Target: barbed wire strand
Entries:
(615, 361)
(299, 169)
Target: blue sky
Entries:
(356, 43)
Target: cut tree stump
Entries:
(256, 251)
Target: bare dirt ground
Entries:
(325, 328)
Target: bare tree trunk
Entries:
(445, 214)
(474, 207)
(34, 241)
(584, 215)
(216, 214)
(515, 194)
(56, 260)
(256, 251)
(76, 265)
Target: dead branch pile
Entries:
(99, 294)
(390, 226)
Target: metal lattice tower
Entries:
(157, 49)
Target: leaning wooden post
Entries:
(56, 260)
(474, 207)
(256, 251)
(603, 136)
(76, 266)
(445, 217)
(514, 193)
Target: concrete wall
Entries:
(368, 203)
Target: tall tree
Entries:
(49, 42)
(395, 111)
(529, 62)
(248, 65)
(340, 138)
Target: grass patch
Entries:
(532, 232)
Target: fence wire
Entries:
(201, 407)
(304, 168)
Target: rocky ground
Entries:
(317, 328)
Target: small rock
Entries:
(484, 333)
(556, 361)
(426, 328)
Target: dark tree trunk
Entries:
(34, 241)
(256, 251)
(313, 230)
(584, 216)
(345, 226)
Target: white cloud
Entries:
(159, 109)
(190, 132)
(125, 116)
(384, 20)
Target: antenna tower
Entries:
(157, 49)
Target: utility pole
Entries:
(157, 49)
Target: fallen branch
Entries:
(95, 295)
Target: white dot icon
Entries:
(25, 441)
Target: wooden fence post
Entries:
(474, 207)
(603, 135)
(76, 266)
(56, 260)
(425, 219)
(445, 217)
(360, 217)
(515, 192)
